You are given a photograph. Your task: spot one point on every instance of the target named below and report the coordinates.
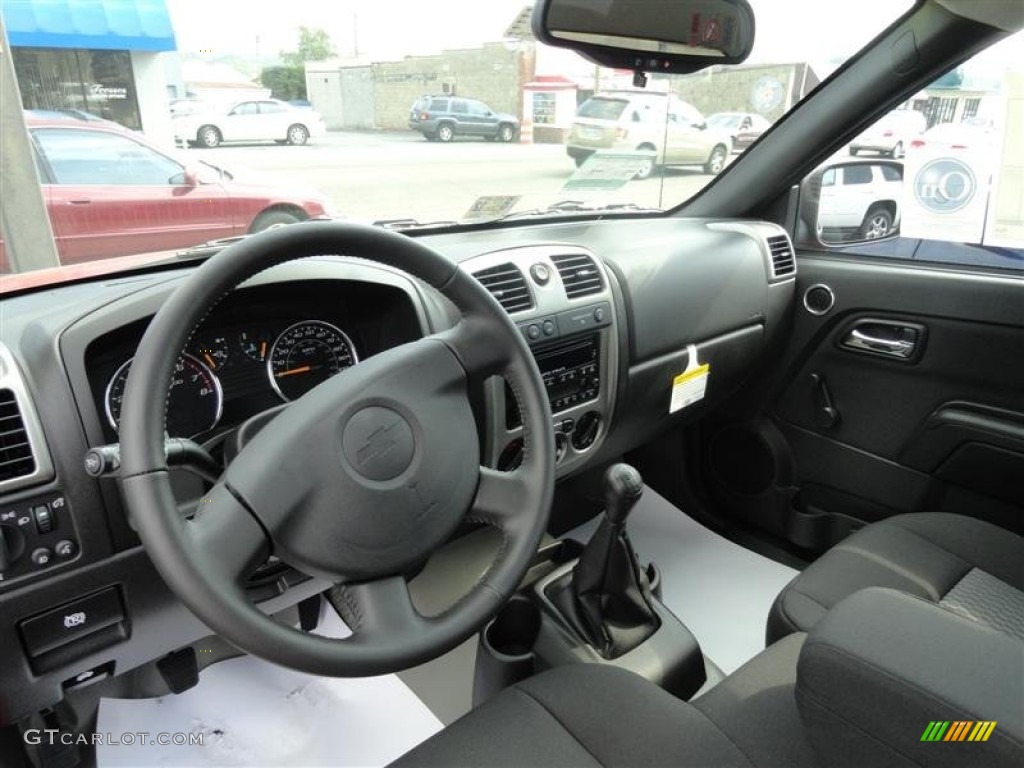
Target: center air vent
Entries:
(507, 284)
(783, 261)
(580, 274)
(16, 458)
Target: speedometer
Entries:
(195, 403)
(307, 354)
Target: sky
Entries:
(380, 29)
(822, 32)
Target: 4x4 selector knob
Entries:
(586, 430)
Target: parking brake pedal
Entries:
(179, 669)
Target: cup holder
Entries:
(505, 653)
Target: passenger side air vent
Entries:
(580, 274)
(16, 458)
(783, 259)
(507, 284)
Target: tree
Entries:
(314, 45)
(285, 83)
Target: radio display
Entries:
(571, 376)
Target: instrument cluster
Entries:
(271, 363)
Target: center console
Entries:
(595, 604)
(560, 298)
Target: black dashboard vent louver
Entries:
(783, 259)
(16, 458)
(580, 274)
(507, 284)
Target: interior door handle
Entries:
(895, 347)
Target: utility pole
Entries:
(24, 222)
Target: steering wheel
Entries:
(356, 482)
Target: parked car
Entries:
(257, 120)
(892, 134)
(181, 107)
(67, 114)
(743, 127)
(636, 120)
(967, 134)
(860, 201)
(109, 192)
(442, 118)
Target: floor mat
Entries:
(718, 589)
(253, 713)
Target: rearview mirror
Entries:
(649, 35)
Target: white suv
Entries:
(636, 120)
(860, 201)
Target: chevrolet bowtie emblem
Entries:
(377, 444)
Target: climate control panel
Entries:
(35, 534)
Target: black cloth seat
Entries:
(596, 715)
(969, 566)
(859, 689)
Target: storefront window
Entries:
(99, 83)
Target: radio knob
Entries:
(586, 430)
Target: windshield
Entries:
(229, 117)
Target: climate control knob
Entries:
(586, 430)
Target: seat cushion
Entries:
(923, 554)
(599, 715)
(580, 715)
(756, 708)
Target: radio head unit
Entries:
(571, 374)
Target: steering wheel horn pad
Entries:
(321, 477)
(356, 482)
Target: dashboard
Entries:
(260, 348)
(614, 311)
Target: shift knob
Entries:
(623, 488)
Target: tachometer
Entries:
(196, 399)
(307, 354)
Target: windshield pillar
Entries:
(24, 223)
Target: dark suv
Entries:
(442, 118)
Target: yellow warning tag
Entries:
(689, 387)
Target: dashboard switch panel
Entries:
(33, 531)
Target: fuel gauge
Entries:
(214, 351)
(256, 344)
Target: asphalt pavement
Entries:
(381, 175)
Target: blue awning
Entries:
(133, 25)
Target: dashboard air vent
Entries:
(580, 275)
(16, 458)
(783, 260)
(507, 284)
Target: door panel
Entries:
(853, 435)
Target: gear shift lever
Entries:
(623, 488)
(609, 592)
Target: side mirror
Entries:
(189, 177)
(848, 203)
(649, 35)
(700, 126)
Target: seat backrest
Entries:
(885, 675)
